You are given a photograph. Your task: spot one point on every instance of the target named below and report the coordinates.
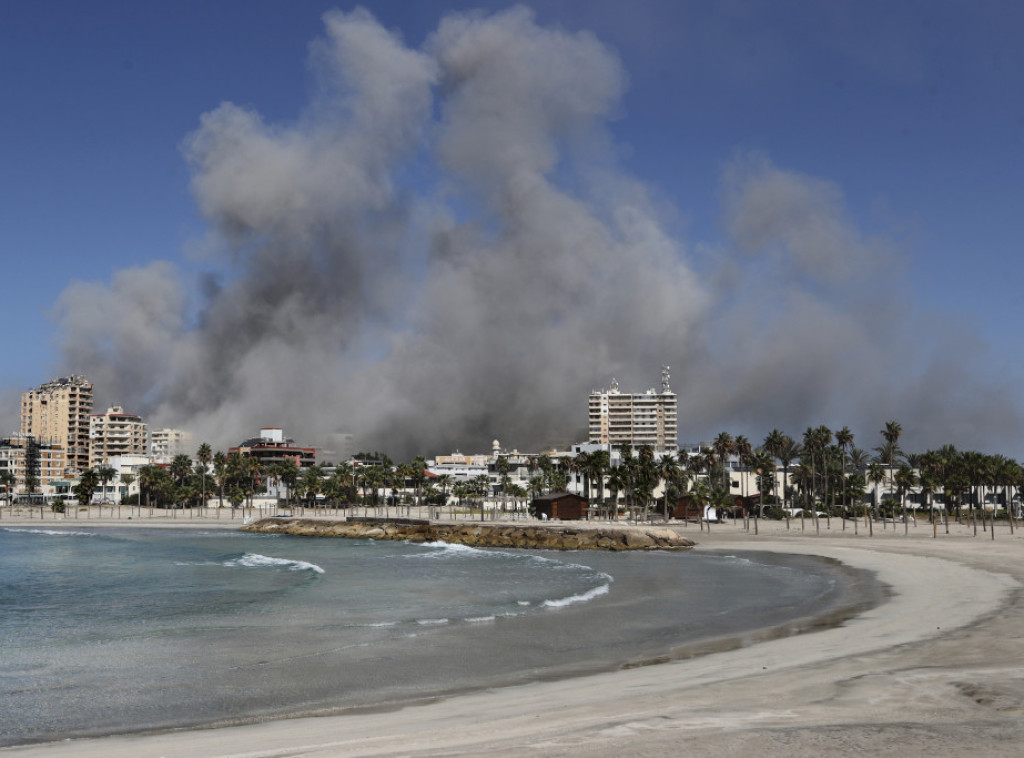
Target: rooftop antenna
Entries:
(665, 378)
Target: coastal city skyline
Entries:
(808, 218)
(481, 377)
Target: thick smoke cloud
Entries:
(440, 252)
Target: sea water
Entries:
(106, 631)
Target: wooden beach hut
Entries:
(564, 506)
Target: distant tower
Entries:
(58, 413)
(646, 418)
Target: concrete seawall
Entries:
(531, 536)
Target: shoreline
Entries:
(926, 665)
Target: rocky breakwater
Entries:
(534, 536)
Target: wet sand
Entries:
(938, 669)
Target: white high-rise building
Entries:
(647, 418)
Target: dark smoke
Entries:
(487, 299)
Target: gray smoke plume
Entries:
(440, 251)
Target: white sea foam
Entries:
(431, 622)
(52, 532)
(481, 619)
(583, 597)
(523, 602)
(255, 560)
(442, 548)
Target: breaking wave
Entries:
(255, 560)
(52, 532)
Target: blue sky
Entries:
(912, 110)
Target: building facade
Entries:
(36, 466)
(113, 434)
(164, 444)
(272, 448)
(649, 418)
(57, 413)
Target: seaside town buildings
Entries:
(648, 418)
(57, 413)
(113, 434)
(60, 437)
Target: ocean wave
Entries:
(255, 560)
(431, 622)
(51, 532)
(442, 549)
(583, 597)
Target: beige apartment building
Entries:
(164, 444)
(647, 418)
(57, 413)
(115, 434)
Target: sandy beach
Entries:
(936, 670)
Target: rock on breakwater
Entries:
(531, 536)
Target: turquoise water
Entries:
(105, 631)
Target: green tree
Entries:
(905, 479)
(204, 456)
(86, 486)
(311, 484)
(181, 467)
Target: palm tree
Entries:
(700, 497)
(876, 475)
(418, 475)
(444, 481)
(220, 467)
(311, 484)
(844, 438)
(288, 472)
(581, 465)
(480, 485)
(788, 451)
(724, 446)
(104, 474)
(891, 435)
(617, 482)
(669, 473)
(127, 480)
(86, 486)
(859, 460)
(504, 468)
(627, 467)
(181, 467)
(204, 455)
(763, 464)
(905, 479)
(600, 460)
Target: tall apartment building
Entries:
(114, 434)
(58, 413)
(647, 418)
(164, 444)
